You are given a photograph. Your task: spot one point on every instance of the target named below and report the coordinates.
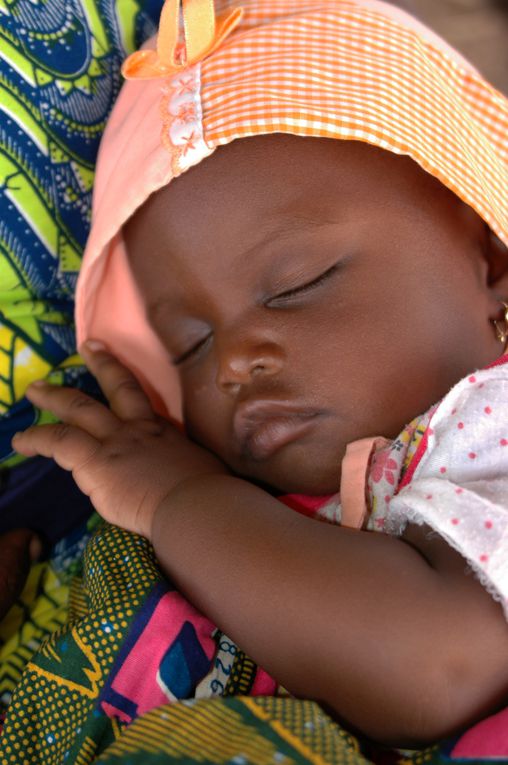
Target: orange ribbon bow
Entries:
(203, 33)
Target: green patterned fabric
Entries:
(42, 608)
(59, 76)
(239, 731)
(70, 704)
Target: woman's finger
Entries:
(125, 395)
(73, 407)
(69, 446)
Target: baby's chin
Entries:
(297, 479)
(307, 466)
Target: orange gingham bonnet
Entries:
(347, 69)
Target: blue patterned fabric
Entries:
(59, 76)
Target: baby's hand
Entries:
(126, 458)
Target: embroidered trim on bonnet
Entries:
(182, 120)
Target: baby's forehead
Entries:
(261, 210)
(255, 184)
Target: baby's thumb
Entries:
(18, 549)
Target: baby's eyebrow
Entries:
(158, 309)
(294, 223)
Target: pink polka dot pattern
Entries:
(457, 481)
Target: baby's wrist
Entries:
(176, 498)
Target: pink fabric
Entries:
(171, 652)
(305, 504)
(488, 739)
(138, 677)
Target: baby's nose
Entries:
(241, 363)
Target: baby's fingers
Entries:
(125, 395)
(74, 407)
(70, 447)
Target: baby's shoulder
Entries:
(476, 404)
(466, 434)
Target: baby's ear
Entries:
(497, 257)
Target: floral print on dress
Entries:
(383, 466)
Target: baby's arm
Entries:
(390, 634)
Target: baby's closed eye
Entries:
(305, 287)
(192, 350)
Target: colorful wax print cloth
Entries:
(59, 75)
(42, 608)
(116, 684)
(99, 686)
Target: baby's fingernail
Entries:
(38, 383)
(94, 345)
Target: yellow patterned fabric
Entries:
(71, 704)
(52, 595)
(40, 610)
(265, 731)
(59, 690)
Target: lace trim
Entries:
(182, 120)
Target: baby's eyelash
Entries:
(187, 354)
(308, 286)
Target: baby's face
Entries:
(311, 292)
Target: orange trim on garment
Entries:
(203, 33)
(353, 481)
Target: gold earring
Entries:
(502, 331)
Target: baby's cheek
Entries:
(207, 426)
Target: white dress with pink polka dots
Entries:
(456, 479)
(448, 470)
